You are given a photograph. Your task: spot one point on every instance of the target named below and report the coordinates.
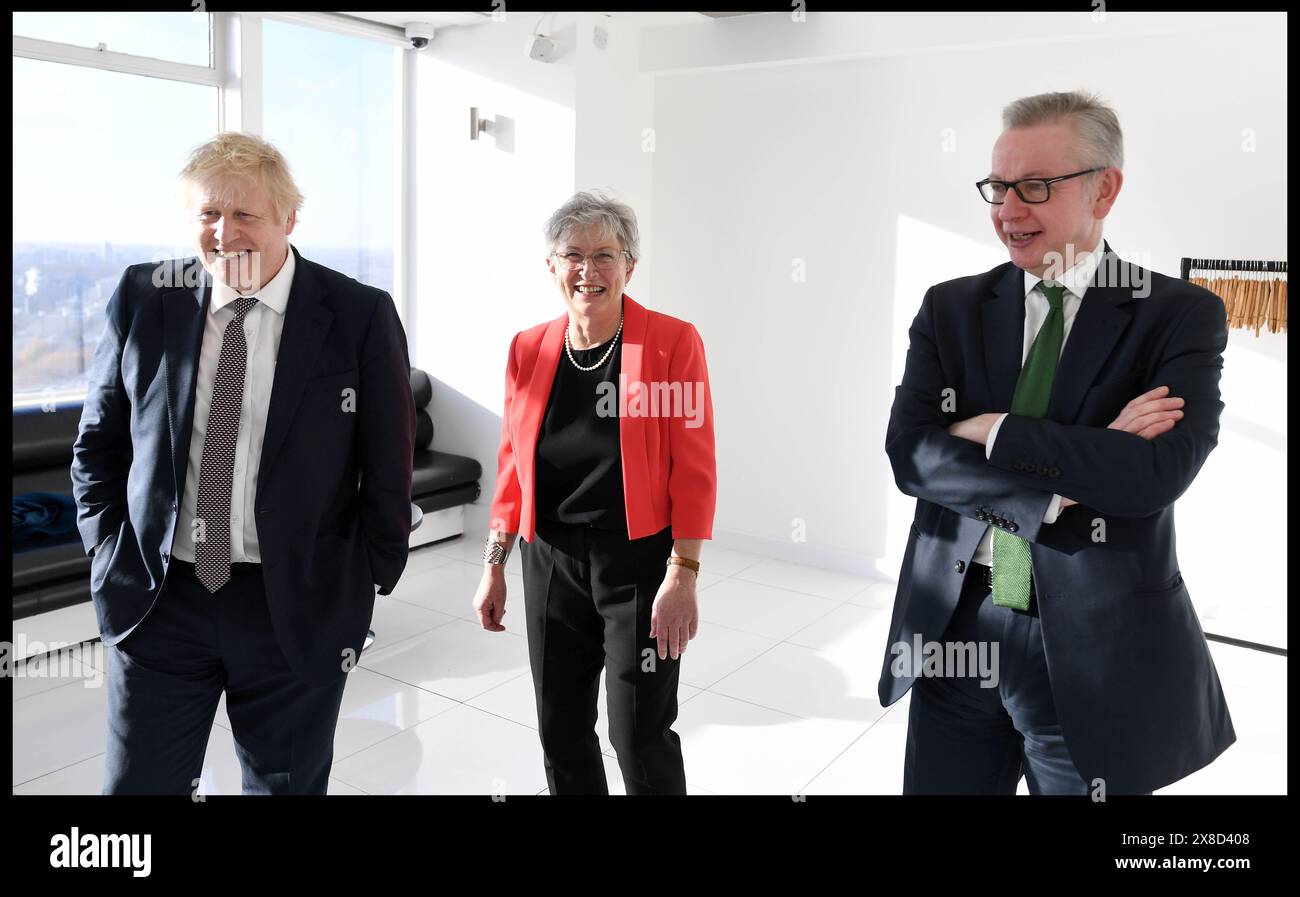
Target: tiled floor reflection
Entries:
(778, 696)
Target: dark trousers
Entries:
(966, 739)
(588, 595)
(166, 677)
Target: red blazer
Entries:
(666, 443)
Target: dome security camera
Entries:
(419, 34)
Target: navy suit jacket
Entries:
(333, 499)
(1136, 691)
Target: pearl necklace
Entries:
(604, 358)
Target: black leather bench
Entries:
(54, 575)
(439, 480)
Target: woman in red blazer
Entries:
(606, 468)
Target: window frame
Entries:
(130, 63)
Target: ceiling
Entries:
(445, 19)
(436, 19)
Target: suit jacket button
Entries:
(1040, 470)
(1054, 472)
(980, 515)
(959, 567)
(1013, 526)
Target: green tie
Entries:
(1011, 563)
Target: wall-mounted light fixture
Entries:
(478, 125)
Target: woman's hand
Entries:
(675, 616)
(490, 599)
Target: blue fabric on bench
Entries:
(44, 518)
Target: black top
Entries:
(579, 466)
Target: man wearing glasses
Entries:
(1051, 411)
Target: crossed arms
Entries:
(1134, 467)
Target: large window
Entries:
(106, 108)
(89, 147)
(331, 106)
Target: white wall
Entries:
(481, 274)
(850, 143)
(863, 168)
(615, 140)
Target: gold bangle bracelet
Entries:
(684, 562)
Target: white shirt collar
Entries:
(275, 294)
(1075, 279)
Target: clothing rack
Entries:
(1217, 265)
(1254, 296)
(1216, 285)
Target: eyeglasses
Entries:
(603, 260)
(1030, 190)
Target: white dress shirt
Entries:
(262, 328)
(1075, 280)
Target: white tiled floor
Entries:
(778, 696)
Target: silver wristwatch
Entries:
(495, 552)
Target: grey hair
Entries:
(613, 218)
(1097, 125)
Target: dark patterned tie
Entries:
(212, 542)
